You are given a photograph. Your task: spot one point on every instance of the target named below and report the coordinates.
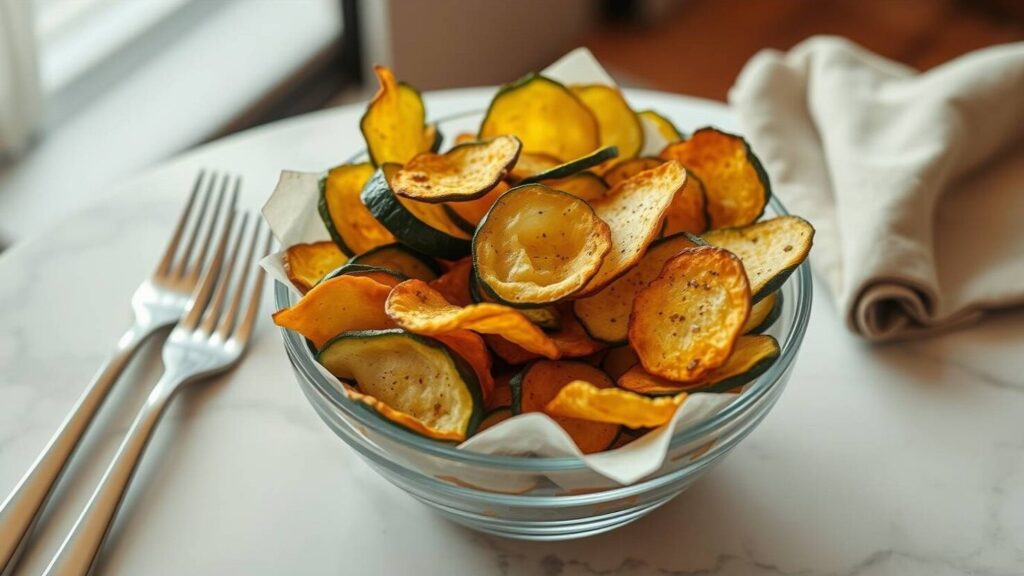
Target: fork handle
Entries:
(21, 509)
(79, 550)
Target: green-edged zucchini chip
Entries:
(573, 166)
(764, 314)
(688, 211)
(545, 116)
(664, 126)
(547, 317)
(605, 315)
(634, 210)
(385, 276)
(619, 125)
(770, 250)
(426, 228)
(684, 323)
(468, 214)
(538, 245)
(531, 163)
(335, 306)
(736, 184)
(424, 386)
(751, 357)
(306, 264)
(394, 124)
(349, 223)
(402, 259)
(466, 172)
(585, 185)
(541, 381)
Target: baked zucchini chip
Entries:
(770, 250)
(764, 314)
(349, 223)
(537, 246)
(736, 184)
(688, 211)
(582, 400)
(619, 125)
(402, 259)
(543, 380)
(634, 210)
(684, 323)
(424, 227)
(410, 380)
(306, 264)
(466, 172)
(471, 348)
(625, 169)
(585, 185)
(468, 214)
(385, 276)
(394, 124)
(417, 307)
(545, 116)
(573, 166)
(605, 315)
(337, 305)
(751, 357)
(531, 163)
(665, 127)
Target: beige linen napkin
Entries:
(914, 181)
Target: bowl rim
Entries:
(303, 360)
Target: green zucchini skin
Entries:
(772, 316)
(325, 216)
(403, 253)
(547, 317)
(573, 166)
(351, 268)
(464, 371)
(438, 138)
(420, 236)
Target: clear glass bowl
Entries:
(545, 498)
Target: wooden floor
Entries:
(699, 46)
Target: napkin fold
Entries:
(914, 181)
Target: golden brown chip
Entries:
(750, 358)
(306, 264)
(585, 185)
(626, 169)
(618, 124)
(470, 346)
(394, 124)
(582, 400)
(350, 224)
(337, 305)
(532, 163)
(454, 284)
(688, 211)
(684, 324)
(466, 172)
(403, 419)
(469, 213)
(770, 250)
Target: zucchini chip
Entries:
(401, 259)
(770, 250)
(471, 348)
(531, 163)
(426, 228)
(751, 357)
(685, 322)
(394, 124)
(337, 305)
(417, 307)
(538, 245)
(736, 184)
(625, 169)
(466, 172)
(605, 315)
(545, 116)
(583, 400)
(351, 226)
(764, 314)
(494, 417)
(454, 284)
(306, 264)
(618, 360)
(540, 382)
(413, 381)
(573, 166)
(547, 317)
(688, 211)
(634, 210)
(468, 214)
(619, 125)
(665, 127)
(584, 185)
(385, 276)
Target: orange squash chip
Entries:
(306, 264)
(618, 124)
(394, 124)
(688, 210)
(582, 400)
(337, 305)
(417, 307)
(513, 354)
(454, 284)
(349, 223)
(585, 185)
(401, 418)
(470, 346)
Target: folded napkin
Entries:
(914, 181)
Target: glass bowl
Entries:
(545, 498)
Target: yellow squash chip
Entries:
(404, 419)
(538, 245)
(584, 401)
(665, 127)
(349, 223)
(394, 124)
(545, 116)
(684, 324)
(466, 172)
(337, 305)
(618, 124)
(306, 264)
(634, 210)
(532, 163)
(770, 250)
(735, 182)
(750, 358)
(419, 308)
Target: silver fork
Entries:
(158, 302)
(208, 340)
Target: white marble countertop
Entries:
(900, 459)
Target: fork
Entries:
(208, 340)
(158, 302)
